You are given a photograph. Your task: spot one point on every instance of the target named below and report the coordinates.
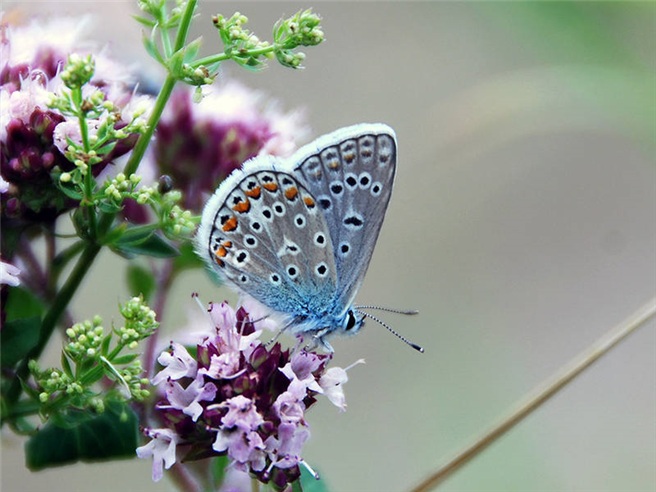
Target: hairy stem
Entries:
(541, 394)
(208, 60)
(164, 281)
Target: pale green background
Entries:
(521, 226)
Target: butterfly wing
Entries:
(264, 233)
(350, 172)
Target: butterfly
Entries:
(297, 234)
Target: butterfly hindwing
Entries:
(266, 236)
(350, 173)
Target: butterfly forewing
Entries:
(270, 240)
(351, 173)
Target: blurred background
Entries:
(522, 227)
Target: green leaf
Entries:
(188, 258)
(70, 193)
(191, 50)
(115, 234)
(108, 207)
(124, 359)
(17, 338)
(151, 49)
(104, 347)
(175, 64)
(136, 235)
(296, 486)
(153, 246)
(140, 281)
(144, 21)
(106, 149)
(21, 304)
(66, 366)
(110, 435)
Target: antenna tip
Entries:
(417, 347)
(412, 311)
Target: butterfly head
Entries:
(351, 323)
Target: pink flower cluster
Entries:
(33, 135)
(240, 398)
(199, 144)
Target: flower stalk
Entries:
(541, 394)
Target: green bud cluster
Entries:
(88, 357)
(140, 322)
(240, 42)
(302, 29)
(121, 186)
(85, 338)
(175, 220)
(78, 71)
(136, 385)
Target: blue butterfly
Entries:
(297, 234)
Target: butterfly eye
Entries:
(351, 321)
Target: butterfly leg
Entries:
(318, 340)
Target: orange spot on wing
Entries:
(270, 186)
(333, 164)
(230, 225)
(227, 244)
(222, 252)
(308, 201)
(242, 207)
(254, 193)
(219, 261)
(291, 193)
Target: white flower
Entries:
(161, 448)
(9, 274)
(331, 383)
(177, 364)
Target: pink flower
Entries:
(177, 364)
(224, 366)
(301, 367)
(187, 399)
(289, 406)
(242, 413)
(246, 448)
(286, 450)
(228, 126)
(161, 448)
(253, 398)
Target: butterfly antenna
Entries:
(418, 348)
(390, 310)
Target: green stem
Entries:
(541, 394)
(144, 139)
(183, 30)
(208, 60)
(88, 178)
(59, 305)
(166, 42)
(90, 252)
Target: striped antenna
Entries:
(413, 345)
(389, 310)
